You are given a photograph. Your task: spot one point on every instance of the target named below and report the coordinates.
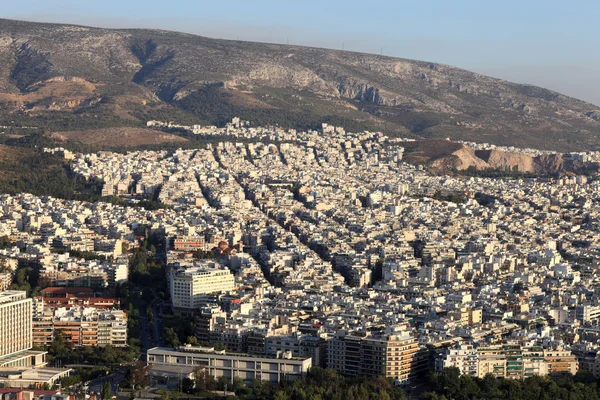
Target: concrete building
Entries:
(15, 322)
(230, 365)
(393, 356)
(508, 361)
(189, 286)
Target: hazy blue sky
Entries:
(550, 43)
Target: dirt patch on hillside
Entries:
(125, 137)
(427, 150)
(11, 154)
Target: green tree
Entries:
(192, 340)
(170, 337)
(106, 391)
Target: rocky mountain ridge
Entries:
(135, 74)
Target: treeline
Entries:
(44, 174)
(86, 255)
(451, 385)
(318, 384)
(513, 173)
(60, 350)
(56, 121)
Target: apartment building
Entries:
(230, 365)
(188, 243)
(190, 286)
(393, 356)
(299, 346)
(80, 326)
(463, 357)
(15, 322)
(508, 361)
(15, 332)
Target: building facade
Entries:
(231, 365)
(190, 286)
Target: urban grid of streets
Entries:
(351, 238)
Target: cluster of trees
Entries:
(495, 173)
(204, 255)
(144, 269)
(60, 349)
(213, 103)
(319, 384)
(86, 255)
(28, 279)
(5, 242)
(451, 385)
(44, 174)
(453, 198)
(177, 330)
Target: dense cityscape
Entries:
(270, 253)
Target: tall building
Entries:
(395, 356)
(15, 322)
(190, 286)
(16, 332)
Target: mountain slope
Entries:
(126, 76)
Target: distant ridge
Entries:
(68, 77)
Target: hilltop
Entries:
(442, 156)
(71, 78)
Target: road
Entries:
(97, 384)
(144, 331)
(156, 311)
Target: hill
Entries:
(120, 137)
(64, 77)
(443, 156)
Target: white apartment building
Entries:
(15, 322)
(464, 358)
(189, 286)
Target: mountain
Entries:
(66, 77)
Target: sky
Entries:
(549, 43)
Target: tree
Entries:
(187, 385)
(106, 391)
(5, 242)
(223, 382)
(170, 337)
(204, 381)
(139, 375)
(192, 340)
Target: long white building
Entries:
(230, 365)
